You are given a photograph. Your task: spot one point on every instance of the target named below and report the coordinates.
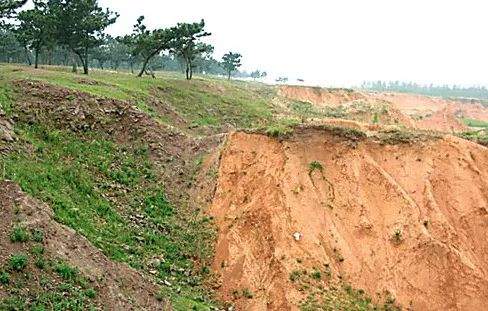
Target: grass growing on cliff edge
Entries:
(203, 102)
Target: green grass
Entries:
(46, 292)
(202, 102)
(281, 128)
(475, 123)
(5, 97)
(18, 262)
(480, 137)
(76, 175)
(4, 278)
(19, 235)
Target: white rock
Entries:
(297, 236)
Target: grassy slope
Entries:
(203, 101)
(111, 194)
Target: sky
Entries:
(336, 42)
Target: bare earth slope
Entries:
(409, 220)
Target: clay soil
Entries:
(408, 219)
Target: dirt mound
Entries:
(117, 286)
(319, 96)
(406, 221)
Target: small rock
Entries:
(297, 236)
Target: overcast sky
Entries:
(337, 42)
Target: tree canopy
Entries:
(186, 44)
(7, 7)
(36, 27)
(81, 25)
(64, 32)
(231, 62)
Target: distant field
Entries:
(475, 123)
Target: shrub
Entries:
(295, 275)
(90, 293)
(4, 278)
(315, 166)
(65, 271)
(397, 236)
(19, 235)
(18, 262)
(38, 235)
(246, 293)
(316, 274)
(281, 128)
(40, 263)
(38, 250)
(376, 118)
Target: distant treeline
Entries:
(72, 32)
(445, 91)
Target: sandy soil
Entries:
(410, 220)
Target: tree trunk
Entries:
(85, 63)
(37, 59)
(228, 75)
(27, 56)
(144, 65)
(74, 63)
(50, 57)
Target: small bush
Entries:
(281, 128)
(38, 235)
(4, 278)
(38, 250)
(65, 271)
(315, 166)
(18, 262)
(90, 293)
(246, 293)
(19, 235)
(376, 118)
(316, 274)
(40, 263)
(397, 236)
(295, 275)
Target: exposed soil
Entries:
(7, 134)
(408, 219)
(444, 120)
(319, 96)
(410, 110)
(118, 287)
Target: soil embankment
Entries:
(408, 219)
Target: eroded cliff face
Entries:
(410, 220)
